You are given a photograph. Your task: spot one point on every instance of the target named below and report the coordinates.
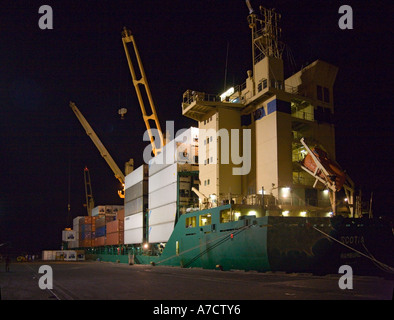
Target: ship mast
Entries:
(265, 34)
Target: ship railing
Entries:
(303, 115)
(191, 96)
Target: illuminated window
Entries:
(205, 219)
(225, 216)
(191, 222)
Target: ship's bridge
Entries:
(196, 105)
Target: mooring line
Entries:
(386, 267)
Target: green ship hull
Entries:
(267, 243)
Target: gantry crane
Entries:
(103, 151)
(88, 192)
(127, 37)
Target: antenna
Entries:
(265, 34)
(225, 71)
(249, 6)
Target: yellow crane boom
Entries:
(127, 37)
(88, 191)
(103, 151)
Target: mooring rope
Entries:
(384, 266)
(219, 239)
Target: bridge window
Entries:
(191, 222)
(205, 219)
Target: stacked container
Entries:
(115, 231)
(102, 215)
(100, 231)
(177, 155)
(136, 202)
(86, 233)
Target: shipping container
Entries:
(136, 205)
(99, 241)
(73, 244)
(136, 176)
(115, 226)
(134, 221)
(85, 243)
(88, 235)
(80, 255)
(115, 238)
(163, 214)
(133, 236)
(160, 232)
(120, 215)
(98, 210)
(136, 191)
(69, 255)
(100, 231)
(68, 235)
(163, 196)
(48, 255)
(163, 178)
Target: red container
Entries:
(120, 215)
(115, 238)
(100, 241)
(86, 243)
(115, 226)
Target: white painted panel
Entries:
(166, 213)
(133, 221)
(160, 232)
(133, 236)
(134, 206)
(163, 178)
(134, 177)
(163, 196)
(163, 160)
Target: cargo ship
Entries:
(283, 205)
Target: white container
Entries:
(134, 206)
(133, 236)
(136, 176)
(140, 189)
(73, 244)
(163, 196)
(164, 214)
(70, 255)
(48, 255)
(163, 178)
(98, 210)
(69, 235)
(160, 232)
(134, 221)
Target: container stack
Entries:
(76, 230)
(103, 215)
(178, 155)
(115, 230)
(100, 231)
(136, 202)
(86, 233)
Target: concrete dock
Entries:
(91, 280)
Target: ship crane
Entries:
(88, 191)
(329, 173)
(138, 82)
(103, 151)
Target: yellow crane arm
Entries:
(103, 151)
(88, 191)
(127, 37)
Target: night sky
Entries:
(183, 45)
